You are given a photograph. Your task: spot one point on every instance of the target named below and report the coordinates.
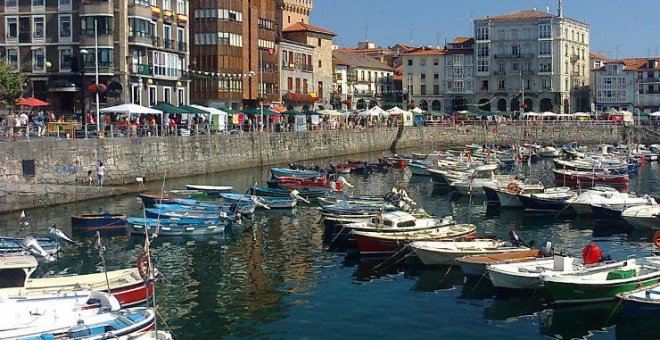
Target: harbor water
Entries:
(273, 278)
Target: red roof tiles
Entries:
(303, 27)
(530, 14)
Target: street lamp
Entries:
(96, 62)
(81, 63)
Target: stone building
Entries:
(142, 50)
(290, 12)
(234, 57)
(360, 82)
(297, 75)
(423, 78)
(536, 55)
(631, 84)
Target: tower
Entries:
(293, 11)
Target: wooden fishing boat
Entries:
(552, 200)
(301, 182)
(644, 216)
(149, 200)
(126, 285)
(587, 179)
(603, 283)
(445, 253)
(181, 227)
(303, 192)
(418, 169)
(476, 265)
(39, 246)
(372, 243)
(212, 191)
(270, 202)
(341, 168)
(527, 275)
(641, 303)
(396, 161)
(103, 221)
(284, 172)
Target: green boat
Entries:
(603, 283)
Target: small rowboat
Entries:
(140, 226)
(303, 192)
(381, 243)
(445, 253)
(476, 265)
(587, 179)
(644, 302)
(149, 200)
(213, 191)
(271, 202)
(103, 221)
(284, 172)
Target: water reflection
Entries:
(579, 321)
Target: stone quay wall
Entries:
(66, 162)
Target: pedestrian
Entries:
(40, 124)
(100, 174)
(90, 180)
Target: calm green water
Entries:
(275, 279)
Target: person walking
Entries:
(41, 124)
(100, 174)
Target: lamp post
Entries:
(261, 86)
(81, 62)
(96, 62)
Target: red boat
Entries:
(588, 179)
(379, 243)
(320, 182)
(396, 161)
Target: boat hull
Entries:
(522, 281)
(98, 221)
(418, 169)
(179, 230)
(533, 204)
(492, 198)
(564, 293)
(508, 200)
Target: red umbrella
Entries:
(31, 102)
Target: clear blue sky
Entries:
(619, 28)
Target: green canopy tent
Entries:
(168, 108)
(192, 110)
(266, 112)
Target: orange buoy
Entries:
(656, 239)
(513, 188)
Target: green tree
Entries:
(10, 86)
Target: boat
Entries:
(270, 202)
(126, 285)
(604, 195)
(526, 275)
(549, 152)
(39, 246)
(552, 200)
(303, 192)
(445, 253)
(588, 179)
(641, 303)
(211, 190)
(483, 175)
(102, 221)
(149, 200)
(396, 161)
(77, 315)
(476, 265)
(419, 169)
(508, 196)
(284, 172)
(595, 284)
(379, 243)
(182, 227)
(643, 216)
(341, 168)
(281, 182)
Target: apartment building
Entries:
(631, 84)
(423, 78)
(360, 82)
(234, 54)
(141, 50)
(533, 56)
(297, 75)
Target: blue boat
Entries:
(284, 172)
(39, 246)
(104, 221)
(271, 202)
(533, 203)
(245, 208)
(303, 192)
(641, 303)
(180, 227)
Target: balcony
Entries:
(140, 10)
(182, 19)
(499, 73)
(351, 78)
(104, 67)
(307, 68)
(183, 47)
(287, 65)
(513, 55)
(97, 7)
(168, 17)
(168, 43)
(528, 72)
(141, 38)
(89, 40)
(141, 69)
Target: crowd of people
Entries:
(22, 123)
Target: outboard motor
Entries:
(515, 239)
(57, 235)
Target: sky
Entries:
(619, 28)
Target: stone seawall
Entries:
(52, 161)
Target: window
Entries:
(38, 28)
(289, 83)
(436, 76)
(422, 90)
(514, 66)
(39, 59)
(11, 4)
(65, 27)
(436, 90)
(515, 49)
(482, 65)
(87, 25)
(153, 97)
(544, 31)
(320, 64)
(167, 95)
(410, 62)
(484, 85)
(546, 84)
(105, 58)
(545, 48)
(136, 94)
(167, 5)
(65, 3)
(482, 50)
(500, 85)
(38, 3)
(181, 6)
(139, 28)
(181, 96)
(483, 33)
(12, 59)
(11, 29)
(436, 62)
(65, 58)
(422, 62)
(318, 42)
(459, 86)
(514, 34)
(422, 76)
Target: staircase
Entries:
(399, 134)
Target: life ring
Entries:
(495, 130)
(656, 239)
(513, 188)
(144, 265)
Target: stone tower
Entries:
(290, 12)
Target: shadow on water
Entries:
(433, 279)
(569, 322)
(640, 329)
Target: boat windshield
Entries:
(12, 278)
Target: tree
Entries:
(10, 86)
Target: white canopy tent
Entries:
(130, 109)
(217, 118)
(417, 110)
(407, 116)
(332, 113)
(655, 114)
(377, 111)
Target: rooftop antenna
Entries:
(366, 31)
(437, 40)
(560, 9)
(411, 33)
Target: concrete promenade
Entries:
(65, 162)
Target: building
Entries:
(459, 75)
(321, 40)
(234, 57)
(535, 57)
(297, 76)
(628, 84)
(423, 78)
(388, 55)
(360, 82)
(290, 12)
(142, 50)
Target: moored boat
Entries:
(445, 253)
(380, 243)
(588, 179)
(284, 172)
(643, 216)
(476, 265)
(167, 227)
(271, 202)
(641, 303)
(102, 221)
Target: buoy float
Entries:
(656, 239)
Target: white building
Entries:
(628, 84)
(360, 81)
(299, 91)
(423, 78)
(536, 55)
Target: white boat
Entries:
(477, 265)
(483, 175)
(210, 188)
(643, 216)
(549, 152)
(526, 275)
(508, 196)
(399, 221)
(445, 253)
(418, 168)
(604, 195)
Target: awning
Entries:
(31, 102)
(168, 108)
(63, 85)
(192, 110)
(131, 109)
(292, 112)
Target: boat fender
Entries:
(549, 249)
(656, 239)
(144, 265)
(591, 254)
(513, 188)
